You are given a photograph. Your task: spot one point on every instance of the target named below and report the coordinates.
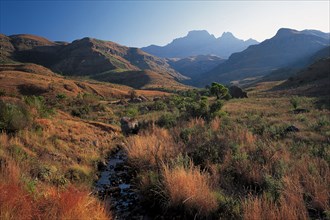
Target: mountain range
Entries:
(200, 42)
(276, 58)
(287, 48)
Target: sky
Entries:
(141, 23)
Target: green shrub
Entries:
(220, 91)
(217, 106)
(81, 111)
(45, 172)
(132, 112)
(31, 186)
(229, 207)
(186, 133)
(14, 117)
(61, 96)
(219, 114)
(2, 92)
(18, 153)
(167, 120)
(159, 106)
(273, 188)
(77, 175)
(39, 103)
(295, 101)
(197, 109)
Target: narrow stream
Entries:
(116, 187)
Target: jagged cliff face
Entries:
(200, 43)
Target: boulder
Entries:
(155, 99)
(291, 128)
(136, 100)
(145, 99)
(129, 126)
(300, 110)
(121, 102)
(101, 165)
(139, 99)
(237, 92)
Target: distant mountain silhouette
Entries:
(195, 65)
(288, 46)
(200, 43)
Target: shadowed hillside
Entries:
(85, 57)
(312, 81)
(32, 79)
(195, 65)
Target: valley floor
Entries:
(263, 157)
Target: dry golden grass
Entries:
(215, 124)
(263, 208)
(151, 148)
(190, 188)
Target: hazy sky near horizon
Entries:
(141, 23)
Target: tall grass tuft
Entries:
(188, 187)
(150, 149)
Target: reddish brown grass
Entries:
(71, 204)
(314, 176)
(15, 203)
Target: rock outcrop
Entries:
(237, 92)
(129, 126)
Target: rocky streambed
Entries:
(117, 188)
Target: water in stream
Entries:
(116, 187)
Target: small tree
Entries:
(220, 91)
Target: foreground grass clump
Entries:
(264, 208)
(189, 188)
(151, 148)
(17, 203)
(14, 116)
(24, 198)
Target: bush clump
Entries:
(167, 120)
(39, 103)
(14, 117)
